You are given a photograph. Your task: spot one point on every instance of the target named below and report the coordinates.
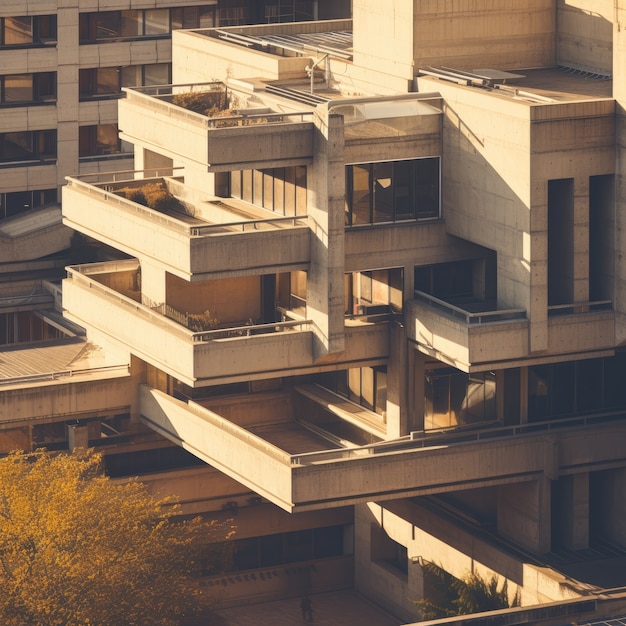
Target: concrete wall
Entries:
(585, 34)
(503, 34)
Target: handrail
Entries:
(249, 330)
(46, 376)
(482, 317)
(580, 307)
(418, 440)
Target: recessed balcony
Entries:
(232, 350)
(467, 336)
(227, 133)
(188, 237)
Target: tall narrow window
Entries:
(560, 241)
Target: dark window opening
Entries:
(35, 145)
(560, 241)
(15, 202)
(101, 140)
(601, 237)
(26, 31)
(28, 88)
(392, 191)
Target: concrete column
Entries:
(397, 370)
(524, 514)
(608, 508)
(416, 392)
(619, 93)
(326, 197)
(153, 286)
(580, 244)
(571, 511)
(77, 437)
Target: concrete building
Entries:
(362, 287)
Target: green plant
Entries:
(461, 596)
(199, 322)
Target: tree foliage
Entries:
(462, 596)
(77, 548)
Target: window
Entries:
(28, 88)
(365, 386)
(100, 140)
(292, 547)
(597, 384)
(374, 292)
(392, 191)
(15, 202)
(150, 23)
(106, 82)
(28, 146)
(454, 398)
(25, 31)
(279, 189)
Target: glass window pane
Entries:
(18, 88)
(108, 25)
(404, 207)
(279, 190)
(157, 22)
(426, 181)
(290, 191)
(367, 388)
(156, 74)
(538, 392)
(270, 550)
(458, 390)
(298, 546)
(360, 194)
(207, 17)
(381, 390)
(18, 31)
(131, 24)
(328, 541)
(108, 81)
(301, 190)
(257, 186)
(382, 176)
(131, 76)
(106, 139)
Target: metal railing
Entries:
(420, 440)
(555, 310)
(150, 313)
(52, 376)
(106, 193)
(481, 317)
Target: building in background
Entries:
(362, 288)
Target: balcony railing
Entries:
(481, 317)
(56, 375)
(581, 307)
(151, 313)
(421, 439)
(105, 190)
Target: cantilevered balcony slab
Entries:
(191, 138)
(267, 460)
(190, 357)
(187, 247)
(468, 341)
(65, 378)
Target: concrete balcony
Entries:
(584, 327)
(228, 239)
(237, 352)
(257, 441)
(468, 340)
(33, 234)
(250, 138)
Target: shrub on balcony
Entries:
(199, 322)
(153, 195)
(202, 102)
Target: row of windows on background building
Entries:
(39, 146)
(93, 83)
(37, 30)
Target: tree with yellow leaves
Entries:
(79, 549)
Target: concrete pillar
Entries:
(416, 391)
(153, 284)
(571, 511)
(580, 244)
(326, 197)
(77, 437)
(397, 373)
(524, 514)
(619, 93)
(154, 164)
